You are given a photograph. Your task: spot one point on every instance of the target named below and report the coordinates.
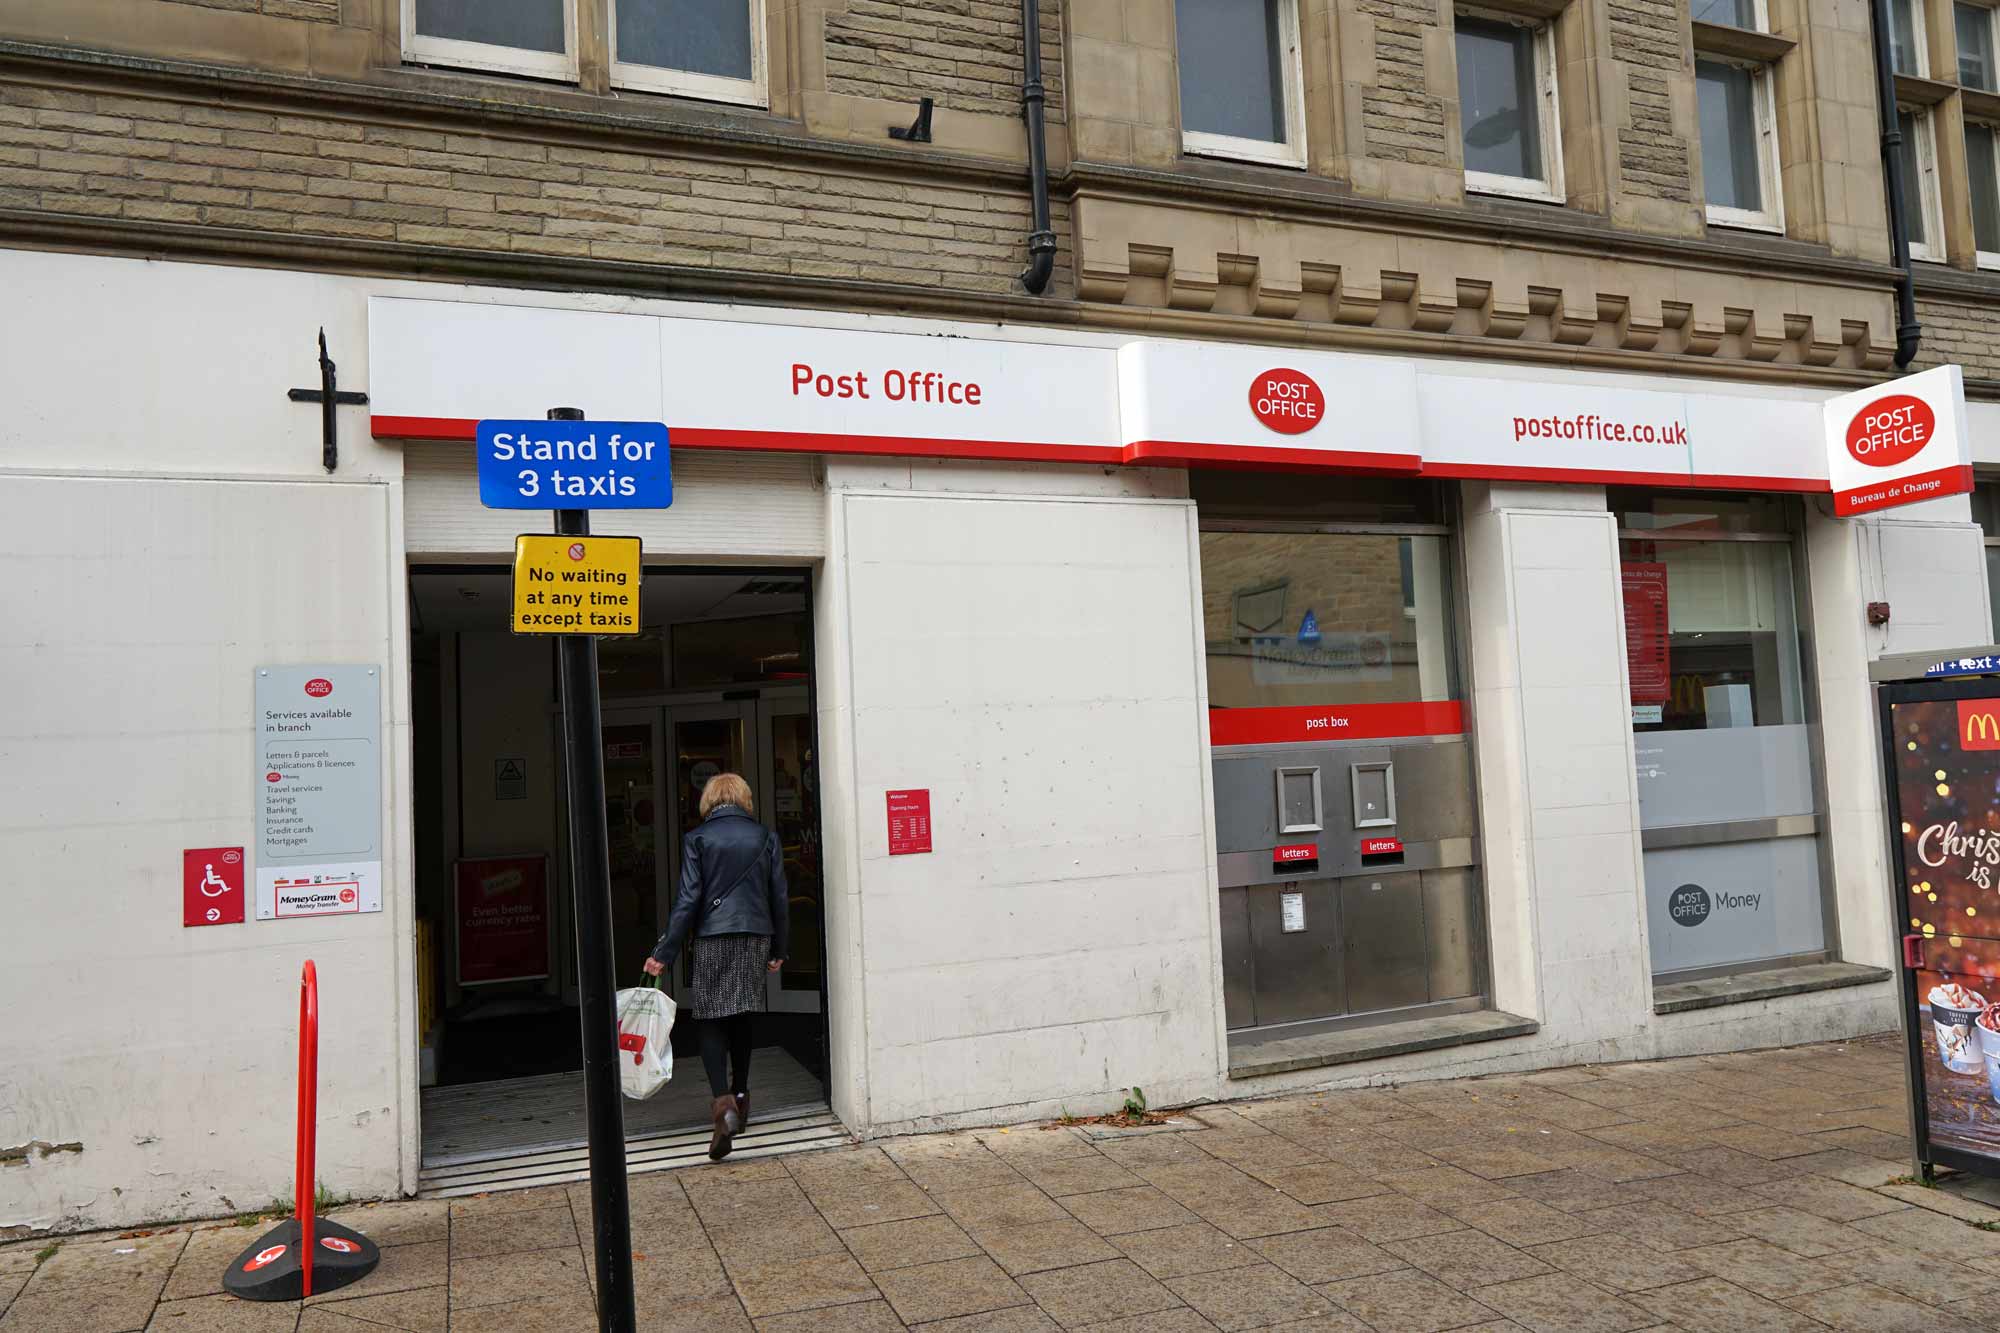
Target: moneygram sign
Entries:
(1898, 443)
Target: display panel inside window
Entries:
(1325, 618)
(697, 36)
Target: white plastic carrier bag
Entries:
(645, 1039)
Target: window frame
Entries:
(1985, 259)
(488, 57)
(1923, 124)
(1292, 151)
(1550, 188)
(1770, 167)
(636, 77)
(1993, 40)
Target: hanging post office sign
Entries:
(1899, 442)
(318, 794)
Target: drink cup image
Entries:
(1988, 1027)
(1955, 1012)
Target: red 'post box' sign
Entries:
(212, 886)
(909, 821)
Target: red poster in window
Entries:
(909, 821)
(1646, 631)
(500, 905)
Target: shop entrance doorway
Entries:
(719, 681)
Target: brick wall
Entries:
(318, 11)
(1652, 159)
(154, 160)
(1403, 122)
(964, 53)
(1966, 334)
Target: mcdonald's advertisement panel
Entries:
(1945, 800)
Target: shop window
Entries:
(1917, 164)
(1722, 713)
(1241, 88)
(1983, 172)
(1739, 143)
(1507, 105)
(534, 37)
(709, 49)
(1986, 510)
(1975, 47)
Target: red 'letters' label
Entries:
(1287, 401)
(1891, 430)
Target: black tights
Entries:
(725, 1044)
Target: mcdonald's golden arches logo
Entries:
(1979, 724)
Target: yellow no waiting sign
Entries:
(576, 585)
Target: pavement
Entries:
(1763, 1190)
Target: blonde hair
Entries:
(725, 789)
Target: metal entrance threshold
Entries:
(524, 1132)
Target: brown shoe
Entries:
(727, 1122)
(742, 1111)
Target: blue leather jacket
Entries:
(732, 883)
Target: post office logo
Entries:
(1689, 905)
(1287, 401)
(1979, 724)
(319, 687)
(1891, 430)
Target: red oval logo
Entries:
(262, 1257)
(1891, 430)
(319, 687)
(347, 895)
(230, 858)
(1287, 401)
(274, 776)
(340, 1245)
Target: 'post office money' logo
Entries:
(1689, 905)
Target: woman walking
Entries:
(732, 901)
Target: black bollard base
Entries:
(269, 1269)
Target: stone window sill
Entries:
(1771, 984)
(1283, 1050)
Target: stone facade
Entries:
(1404, 120)
(1649, 37)
(1962, 331)
(963, 53)
(313, 11)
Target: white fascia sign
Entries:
(1898, 443)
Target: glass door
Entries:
(635, 823)
(789, 803)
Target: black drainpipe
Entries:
(1042, 240)
(1907, 328)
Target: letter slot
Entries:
(1374, 793)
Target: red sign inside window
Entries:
(909, 821)
(1646, 631)
(502, 910)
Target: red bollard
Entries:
(280, 1265)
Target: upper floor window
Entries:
(1975, 47)
(1739, 143)
(1241, 87)
(1917, 163)
(535, 37)
(1982, 142)
(1507, 104)
(710, 49)
(1906, 39)
(1728, 13)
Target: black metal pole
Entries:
(1042, 236)
(590, 875)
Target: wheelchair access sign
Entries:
(574, 465)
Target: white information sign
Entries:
(318, 790)
(1292, 913)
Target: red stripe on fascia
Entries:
(1616, 477)
(1262, 458)
(813, 442)
(423, 428)
(1279, 726)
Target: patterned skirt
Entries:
(729, 973)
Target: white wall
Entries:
(1035, 661)
(168, 1054)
